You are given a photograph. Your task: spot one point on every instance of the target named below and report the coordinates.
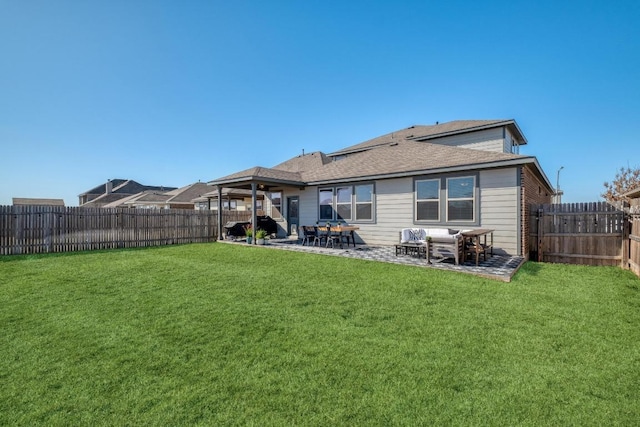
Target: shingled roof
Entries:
(402, 153)
(20, 201)
(406, 158)
(100, 189)
(182, 195)
(188, 193)
(271, 174)
(440, 130)
(120, 188)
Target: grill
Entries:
(235, 228)
(267, 224)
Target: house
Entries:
(233, 199)
(19, 201)
(460, 175)
(179, 198)
(633, 196)
(114, 190)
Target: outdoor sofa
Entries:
(443, 242)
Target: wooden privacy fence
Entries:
(579, 233)
(634, 244)
(41, 229)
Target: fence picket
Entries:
(579, 233)
(33, 229)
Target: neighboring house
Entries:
(634, 200)
(460, 175)
(232, 200)
(179, 198)
(114, 190)
(18, 201)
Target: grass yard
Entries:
(218, 334)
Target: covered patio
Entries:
(255, 182)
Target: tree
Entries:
(626, 180)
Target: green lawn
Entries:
(217, 334)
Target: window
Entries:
(428, 200)
(343, 203)
(248, 203)
(364, 202)
(326, 204)
(349, 203)
(230, 205)
(461, 198)
(276, 205)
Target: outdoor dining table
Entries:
(475, 241)
(340, 229)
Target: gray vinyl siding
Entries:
(394, 199)
(508, 142)
(308, 206)
(486, 140)
(499, 207)
(394, 211)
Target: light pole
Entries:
(558, 191)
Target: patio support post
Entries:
(219, 188)
(254, 215)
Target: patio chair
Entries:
(308, 235)
(475, 250)
(346, 238)
(319, 236)
(333, 237)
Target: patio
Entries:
(498, 267)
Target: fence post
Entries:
(540, 217)
(626, 240)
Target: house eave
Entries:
(434, 171)
(245, 182)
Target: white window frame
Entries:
(353, 203)
(436, 200)
(472, 198)
(349, 188)
(333, 210)
(277, 206)
(357, 203)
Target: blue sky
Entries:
(172, 92)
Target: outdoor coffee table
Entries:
(420, 250)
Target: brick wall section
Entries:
(533, 191)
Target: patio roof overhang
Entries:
(254, 179)
(228, 194)
(263, 178)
